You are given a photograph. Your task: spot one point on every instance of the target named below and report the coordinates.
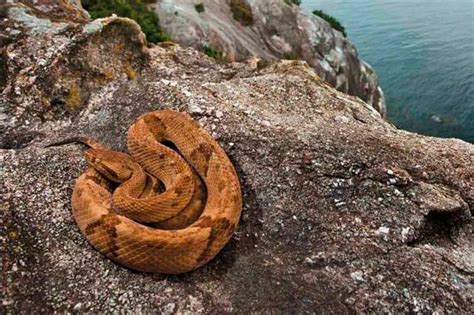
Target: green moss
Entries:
(134, 9)
(242, 12)
(331, 20)
(199, 7)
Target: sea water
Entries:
(423, 52)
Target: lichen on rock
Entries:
(56, 66)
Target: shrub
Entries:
(290, 56)
(199, 7)
(242, 12)
(213, 53)
(289, 2)
(134, 9)
(331, 20)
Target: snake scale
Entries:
(169, 206)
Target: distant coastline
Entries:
(422, 55)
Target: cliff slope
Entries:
(272, 29)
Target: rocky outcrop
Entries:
(61, 61)
(273, 29)
(342, 211)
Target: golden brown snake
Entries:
(177, 199)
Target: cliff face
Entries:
(272, 29)
(342, 212)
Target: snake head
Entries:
(116, 166)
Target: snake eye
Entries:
(92, 159)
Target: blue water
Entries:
(423, 52)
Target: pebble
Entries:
(341, 119)
(309, 261)
(77, 307)
(169, 308)
(357, 276)
(406, 293)
(405, 232)
(194, 109)
(383, 231)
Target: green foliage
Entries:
(134, 9)
(242, 12)
(289, 2)
(213, 53)
(290, 56)
(331, 20)
(199, 7)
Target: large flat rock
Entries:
(342, 211)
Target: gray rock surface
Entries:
(342, 212)
(279, 30)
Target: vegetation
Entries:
(242, 12)
(290, 56)
(331, 20)
(289, 2)
(213, 53)
(134, 9)
(199, 7)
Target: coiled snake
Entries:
(177, 199)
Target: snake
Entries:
(168, 206)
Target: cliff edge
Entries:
(272, 29)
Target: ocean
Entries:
(423, 52)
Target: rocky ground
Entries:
(342, 212)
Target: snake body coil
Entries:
(177, 202)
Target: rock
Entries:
(383, 232)
(436, 119)
(77, 307)
(357, 276)
(55, 76)
(341, 119)
(296, 165)
(278, 30)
